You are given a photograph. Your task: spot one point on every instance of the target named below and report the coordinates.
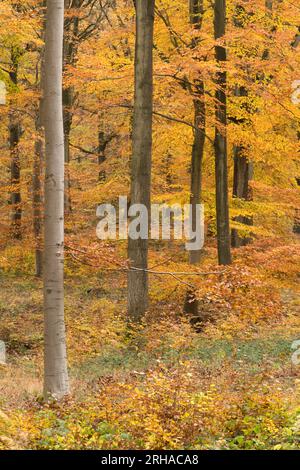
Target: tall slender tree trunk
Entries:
(196, 18)
(141, 154)
(242, 167)
(242, 175)
(191, 302)
(55, 357)
(38, 200)
(296, 225)
(221, 171)
(70, 49)
(37, 174)
(15, 166)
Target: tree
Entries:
(38, 161)
(55, 357)
(196, 18)
(221, 171)
(141, 154)
(296, 226)
(37, 192)
(242, 167)
(14, 140)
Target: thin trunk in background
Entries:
(242, 167)
(38, 162)
(56, 381)
(15, 166)
(141, 154)
(296, 225)
(242, 175)
(70, 49)
(39, 157)
(221, 171)
(196, 18)
(104, 138)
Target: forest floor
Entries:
(232, 385)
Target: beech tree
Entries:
(141, 153)
(38, 161)
(14, 140)
(196, 11)
(221, 171)
(243, 167)
(196, 18)
(55, 357)
(39, 156)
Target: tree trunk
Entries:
(70, 49)
(55, 356)
(67, 118)
(243, 168)
(38, 200)
(168, 169)
(296, 226)
(15, 168)
(196, 167)
(141, 154)
(221, 171)
(196, 18)
(39, 158)
(103, 140)
(242, 175)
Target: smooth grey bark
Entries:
(56, 381)
(141, 154)
(220, 144)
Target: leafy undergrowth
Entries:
(229, 385)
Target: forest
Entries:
(150, 225)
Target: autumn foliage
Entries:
(222, 379)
